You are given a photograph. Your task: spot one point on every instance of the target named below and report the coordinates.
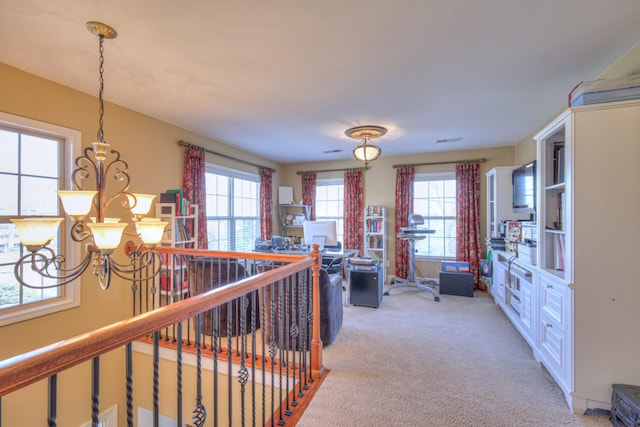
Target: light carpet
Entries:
(417, 362)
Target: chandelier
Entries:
(366, 151)
(98, 166)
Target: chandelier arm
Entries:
(102, 270)
(119, 175)
(79, 233)
(81, 172)
(43, 261)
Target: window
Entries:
(233, 218)
(434, 197)
(330, 203)
(35, 160)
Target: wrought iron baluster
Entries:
(243, 373)
(129, 375)
(179, 372)
(229, 359)
(156, 375)
(288, 339)
(294, 336)
(281, 338)
(95, 392)
(53, 401)
(199, 412)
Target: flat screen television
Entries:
(524, 188)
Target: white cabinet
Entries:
(588, 250)
(514, 290)
(374, 235)
(500, 199)
(554, 344)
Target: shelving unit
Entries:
(500, 199)
(375, 235)
(587, 251)
(176, 234)
(173, 280)
(290, 219)
(554, 245)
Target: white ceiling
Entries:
(285, 78)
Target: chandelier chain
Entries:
(101, 91)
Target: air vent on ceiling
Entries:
(443, 140)
(337, 150)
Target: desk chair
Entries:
(332, 263)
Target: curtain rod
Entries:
(333, 170)
(458, 162)
(197, 147)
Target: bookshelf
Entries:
(374, 235)
(181, 232)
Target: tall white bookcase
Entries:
(176, 235)
(375, 245)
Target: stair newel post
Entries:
(316, 343)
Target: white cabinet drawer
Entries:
(553, 300)
(552, 345)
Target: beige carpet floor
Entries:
(417, 362)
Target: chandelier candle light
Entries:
(367, 151)
(101, 234)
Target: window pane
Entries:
(435, 200)
(39, 156)
(330, 205)
(233, 221)
(9, 149)
(9, 185)
(38, 196)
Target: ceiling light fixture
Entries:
(366, 151)
(102, 234)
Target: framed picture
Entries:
(285, 195)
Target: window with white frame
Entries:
(233, 205)
(434, 197)
(330, 203)
(36, 158)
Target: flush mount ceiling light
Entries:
(101, 234)
(366, 151)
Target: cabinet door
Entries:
(499, 281)
(527, 312)
(555, 327)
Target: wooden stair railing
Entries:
(47, 362)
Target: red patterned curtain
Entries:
(309, 192)
(404, 206)
(266, 203)
(194, 190)
(469, 247)
(353, 211)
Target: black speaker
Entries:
(625, 405)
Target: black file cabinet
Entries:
(365, 285)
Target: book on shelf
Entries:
(183, 206)
(374, 210)
(558, 163)
(558, 252)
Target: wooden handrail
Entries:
(28, 368)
